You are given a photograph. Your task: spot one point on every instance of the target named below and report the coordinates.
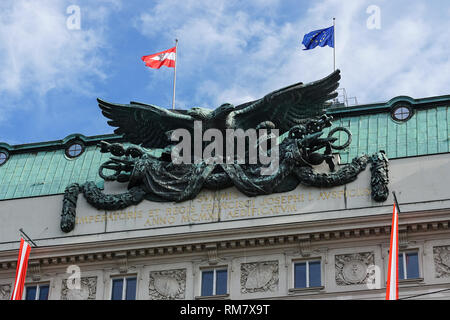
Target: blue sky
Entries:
(229, 51)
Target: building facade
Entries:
(310, 243)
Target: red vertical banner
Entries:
(21, 270)
(392, 280)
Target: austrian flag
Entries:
(21, 270)
(392, 276)
(165, 58)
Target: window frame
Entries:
(405, 271)
(214, 269)
(71, 144)
(38, 290)
(124, 285)
(420, 251)
(399, 106)
(307, 261)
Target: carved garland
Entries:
(306, 176)
(97, 199)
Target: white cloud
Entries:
(39, 53)
(399, 59)
(237, 53)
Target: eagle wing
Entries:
(287, 107)
(143, 124)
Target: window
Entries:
(307, 274)
(37, 292)
(74, 150)
(214, 282)
(411, 261)
(3, 157)
(401, 113)
(123, 288)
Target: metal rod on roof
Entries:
(175, 74)
(334, 44)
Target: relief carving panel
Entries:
(5, 292)
(356, 268)
(167, 284)
(87, 291)
(441, 257)
(259, 277)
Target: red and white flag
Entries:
(392, 280)
(165, 58)
(21, 270)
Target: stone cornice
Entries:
(302, 236)
(384, 107)
(59, 144)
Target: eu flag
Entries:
(320, 37)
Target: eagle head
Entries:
(200, 113)
(223, 111)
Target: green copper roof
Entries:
(427, 132)
(43, 168)
(48, 172)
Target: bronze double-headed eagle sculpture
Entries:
(147, 125)
(298, 112)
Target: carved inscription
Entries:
(213, 207)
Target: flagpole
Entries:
(31, 242)
(175, 74)
(396, 202)
(334, 44)
(392, 279)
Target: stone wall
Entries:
(420, 184)
(355, 270)
(257, 239)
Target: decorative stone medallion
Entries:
(5, 292)
(441, 257)
(167, 284)
(357, 268)
(259, 277)
(87, 291)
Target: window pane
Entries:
(401, 274)
(314, 274)
(131, 289)
(43, 292)
(207, 283)
(300, 275)
(30, 293)
(117, 288)
(412, 265)
(221, 282)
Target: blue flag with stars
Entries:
(322, 38)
